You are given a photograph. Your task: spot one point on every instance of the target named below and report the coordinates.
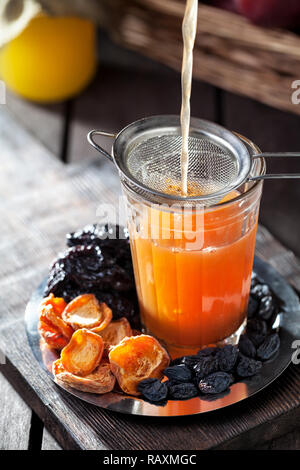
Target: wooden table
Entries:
(42, 199)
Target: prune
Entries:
(86, 266)
(246, 347)
(266, 308)
(257, 326)
(92, 268)
(247, 367)
(207, 351)
(252, 306)
(188, 361)
(178, 373)
(254, 280)
(112, 239)
(205, 366)
(153, 389)
(256, 338)
(269, 347)
(215, 383)
(260, 290)
(227, 357)
(182, 391)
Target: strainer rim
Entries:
(194, 123)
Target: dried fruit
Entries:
(260, 290)
(269, 347)
(88, 268)
(189, 361)
(205, 366)
(58, 304)
(211, 351)
(52, 327)
(86, 312)
(266, 307)
(83, 353)
(153, 389)
(98, 262)
(52, 336)
(247, 367)
(120, 305)
(252, 306)
(137, 358)
(215, 383)
(178, 373)
(257, 326)
(246, 347)
(100, 381)
(227, 357)
(115, 332)
(256, 338)
(182, 391)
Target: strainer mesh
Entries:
(155, 162)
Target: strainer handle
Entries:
(280, 175)
(90, 138)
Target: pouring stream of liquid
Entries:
(189, 29)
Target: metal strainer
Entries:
(147, 155)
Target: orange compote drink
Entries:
(193, 270)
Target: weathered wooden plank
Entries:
(112, 102)
(49, 443)
(290, 441)
(15, 418)
(45, 122)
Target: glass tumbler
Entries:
(193, 265)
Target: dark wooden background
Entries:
(128, 87)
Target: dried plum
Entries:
(252, 306)
(260, 290)
(153, 389)
(205, 366)
(266, 307)
(227, 357)
(256, 338)
(254, 280)
(208, 351)
(247, 367)
(88, 265)
(112, 239)
(257, 326)
(215, 383)
(97, 265)
(182, 391)
(178, 373)
(188, 361)
(269, 347)
(246, 347)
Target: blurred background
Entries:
(71, 66)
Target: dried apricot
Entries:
(100, 381)
(135, 359)
(57, 303)
(86, 312)
(83, 353)
(52, 336)
(115, 332)
(52, 327)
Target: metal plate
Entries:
(289, 322)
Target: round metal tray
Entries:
(289, 330)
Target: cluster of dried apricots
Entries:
(97, 351)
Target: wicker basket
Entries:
(229, 53)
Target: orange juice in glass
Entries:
(193, 267)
